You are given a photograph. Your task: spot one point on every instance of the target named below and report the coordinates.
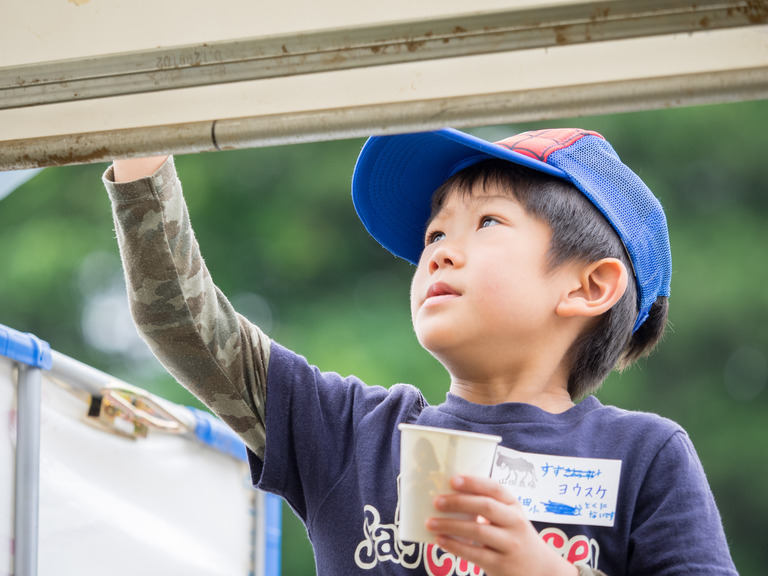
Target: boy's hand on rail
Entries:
(502, 541)
(129, 169)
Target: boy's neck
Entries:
(548, 396)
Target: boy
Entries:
(542, 263)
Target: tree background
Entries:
(278, 231)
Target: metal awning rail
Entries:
(330, 50)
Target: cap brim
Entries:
(395, 177)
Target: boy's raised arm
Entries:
(188, 323)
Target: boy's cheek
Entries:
(414, 312)
(417, 289)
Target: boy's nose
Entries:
(443, 257)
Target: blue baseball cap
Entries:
(395, 177)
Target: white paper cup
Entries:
(429, 458)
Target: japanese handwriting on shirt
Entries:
(561, 489)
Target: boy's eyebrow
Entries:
(481, 198)
(488, 198)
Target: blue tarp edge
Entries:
(25, 348)
(216, 434)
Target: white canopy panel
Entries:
(75, 87)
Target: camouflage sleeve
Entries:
(188, 323)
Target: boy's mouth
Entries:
(441, 289)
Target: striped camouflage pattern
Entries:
(190, 326)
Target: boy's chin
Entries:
(436, 344)
(447, 352)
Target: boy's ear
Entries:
(596, 288)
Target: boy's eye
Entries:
(487, 221)
(434, 236)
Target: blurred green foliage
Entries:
(279, 233)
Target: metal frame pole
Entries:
(27, 470)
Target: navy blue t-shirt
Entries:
(333, 451)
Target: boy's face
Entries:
(482, 290)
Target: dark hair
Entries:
(579, 232)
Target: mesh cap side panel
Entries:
(629, 206)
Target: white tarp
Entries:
(113, 505)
